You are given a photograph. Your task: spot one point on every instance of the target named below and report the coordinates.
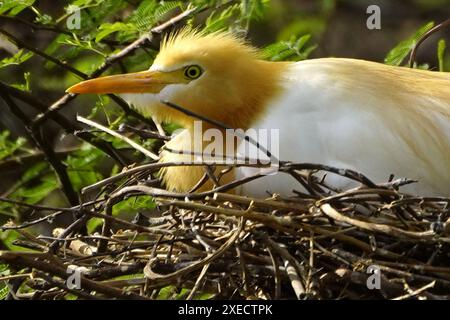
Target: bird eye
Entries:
(193, 72)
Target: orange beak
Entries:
(139, 82)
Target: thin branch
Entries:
(65, 123)
(24, 45)
(412, 56)
(41, 142)
(119, 136)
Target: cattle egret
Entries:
(366, 116)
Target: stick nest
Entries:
(368, 242)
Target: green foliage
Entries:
(204, 296)
(24, 86)
(127, 207)
(93, 12)
(34, 194)
(441, 54)
(70, 296)
(254, 9)
(146, 15)
(86, 45)
(293, 50)
(170, 128)
(20, 57)
(14, 7)
(173, 293)
(221, 20)
(236, 17)
(108, 28)
(4, 271)
(8, 237)
(3, 292)
(82, 166)
(93, 224)
(166, 293)
(36, 184)
(7, 146)
(133, 204)
(399, 52)
(308, 25)
(149, 12)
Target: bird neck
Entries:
(258, 86)
(248, 100)
(238, 108)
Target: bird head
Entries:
(216, 75)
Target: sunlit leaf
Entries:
(219, 21)
(82, 166)
(441, 53)
(4, 292)
(108, 28)
(93, 224)
(14, 6)
(8, 146)
(23, 86)
(400, 51)
(294, 50)
(20, 57)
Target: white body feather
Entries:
(341, 120)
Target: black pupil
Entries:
(192, 72)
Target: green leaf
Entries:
(441, 53)
(70, 296)
(15, 6)
(25, 86)
(79, 45)
(93, 224)
(7, 146)
(253, 9)
(293, 50)
(108, 28)
(56, 44)
(33, 172)
(166, 292)
(8, 237)
(134, 204)
(170, 292)
(4, 270)
(36, 193)
(164, 8)
(129, 276)
(399, 52)
(221, 21)
(170, 128)
(44, 19)
(34, 185)
(149, 12)
(182, 295)
(4, 292)
(92, 14)
(82, 166)
(205, 296)
(31, 188)
(314, 25)
(20, 57)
